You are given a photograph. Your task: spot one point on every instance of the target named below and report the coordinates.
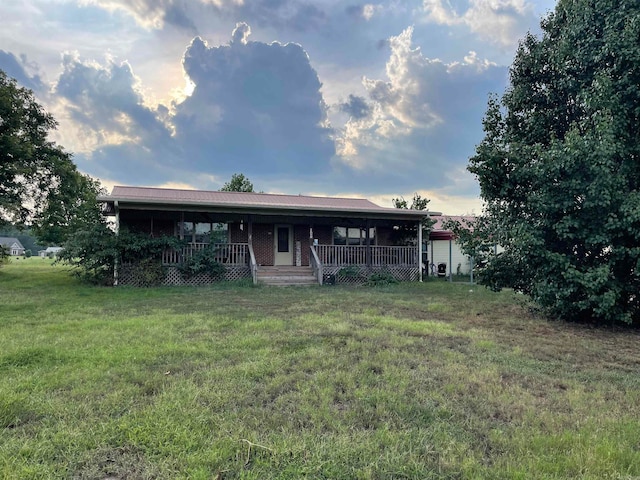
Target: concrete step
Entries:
(286, 275)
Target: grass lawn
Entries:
(417, 381)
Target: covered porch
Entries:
(335, 240)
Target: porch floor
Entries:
(286, 275)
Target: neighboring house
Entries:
(49, 252)
(13, 245)
(260, 235)
(443, 249)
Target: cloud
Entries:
(255, 108)
(106, 104)
(356, 107)
(502, 22)
(423, 119)
(365, 11)
(18, 68)
(156, 14)
(150, 14)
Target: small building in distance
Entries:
(13, 246)
(49, 252)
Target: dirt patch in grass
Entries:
(117, 463)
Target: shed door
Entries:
(283, 238)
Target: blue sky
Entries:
(322, 97)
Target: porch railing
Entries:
(376, 256)
(226, 253)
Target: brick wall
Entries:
(236, 235)
(324, 234)
(263, 243)
(301, 234)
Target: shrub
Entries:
(148, 272)
(379, 279)
(203, 261)
(94, 252)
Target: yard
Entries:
(430, 380)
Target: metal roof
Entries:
(438, 232)
(129, 196)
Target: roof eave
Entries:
(236, 208)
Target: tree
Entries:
(39, 183)
(559, 165)
(406, 235)
(238, 183)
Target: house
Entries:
(49, 252)
(271, 237)
(13, 245)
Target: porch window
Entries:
(204, 232)
(353, 236)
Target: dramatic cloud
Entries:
(255, 107)
(106, 101)
(501, 21)
(374, 109)
(426, 112)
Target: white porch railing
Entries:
(378, 256)
(226, 253)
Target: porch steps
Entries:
(286, 276)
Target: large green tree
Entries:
(559, 166)
(39, 183)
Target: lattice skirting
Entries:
(172, 276)
(359, 274)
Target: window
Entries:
(219, 233)
(204, 232)
(353, 236)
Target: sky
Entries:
(341, 98)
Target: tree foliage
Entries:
(39, 183)
(406, 235)
(94, 251)
(559, 165)
(238, 183)
(4, 255)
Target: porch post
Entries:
(116, 207)
(250, 230)
(450, 260)
(420, 249)
(368, 242)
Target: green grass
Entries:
(432, 380)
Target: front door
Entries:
(283, 245)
